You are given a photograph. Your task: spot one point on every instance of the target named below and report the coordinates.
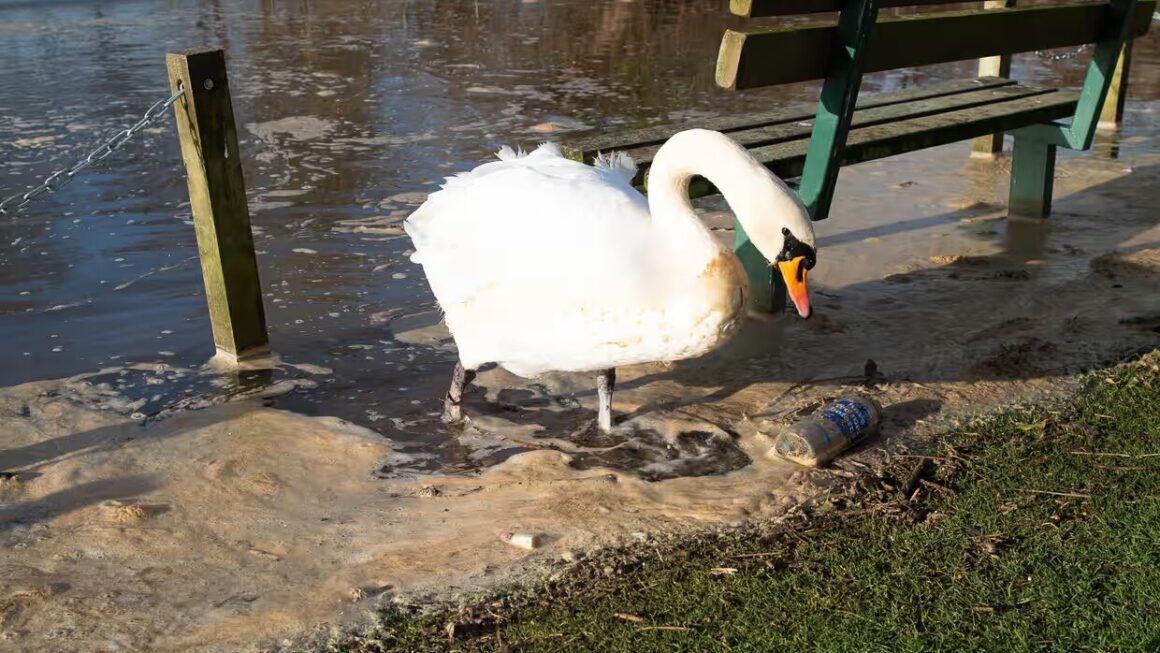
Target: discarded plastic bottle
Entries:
(816, 439)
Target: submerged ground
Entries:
(216, 528)
(153, 504)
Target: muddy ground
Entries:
(236, 524)
(150, 504)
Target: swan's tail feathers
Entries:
(552, 149)
(410, 226)
(506, 153)
(617, 162)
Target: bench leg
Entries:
(1032, 177)
(766, 288)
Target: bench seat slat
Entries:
(877, 115)
(797, 112)
(887, 129)
(763, 8)
(783, 55)
(880, 141)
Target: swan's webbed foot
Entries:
(453, 403)
(452, 412)
(605, 384)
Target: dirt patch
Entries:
(222, 526)
(1119, 265)
(11, 486)
(213, 529)
(1028, 355)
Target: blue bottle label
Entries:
(850, 417)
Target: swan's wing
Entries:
(542, 263)
(537, 225)
(618, 163)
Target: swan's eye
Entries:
(790, 245)
(793, 248)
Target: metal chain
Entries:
(61, 178)
(1063, 56)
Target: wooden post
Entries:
(217, 196)
(990, 146)
(1113, 111)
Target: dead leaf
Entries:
(1033, 426)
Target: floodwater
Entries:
(349, 112)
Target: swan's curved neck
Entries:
(763, 204)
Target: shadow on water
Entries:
(32, 456)
(32, 461)
(74, 498)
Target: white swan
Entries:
(541, 263)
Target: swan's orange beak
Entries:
(794, 273)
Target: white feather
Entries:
(617, 162)
(541, 263)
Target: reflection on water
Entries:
(1025, 239)
(349, 112)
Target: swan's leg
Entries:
(452, 405)
(605, 384)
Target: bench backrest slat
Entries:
(586, 148)
(750, 59)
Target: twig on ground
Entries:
(909, 488)
(953, 452)
(673, 628)
(1132, 468)
(1116, 455)
(938, 487)
(767, 411)
(1077, 495)
(1099, 453)
(624, 616)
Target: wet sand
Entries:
(218, 528)
(347, 118)
(158, 505)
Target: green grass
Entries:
(984, 561)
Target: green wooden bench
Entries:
(810, 143)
